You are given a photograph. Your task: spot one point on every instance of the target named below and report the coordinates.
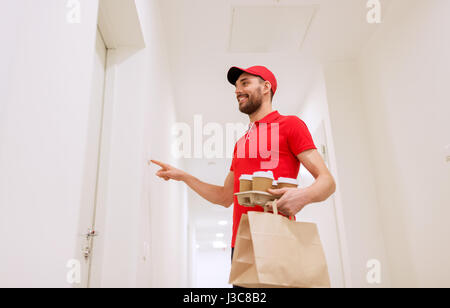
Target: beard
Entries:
(253, 103)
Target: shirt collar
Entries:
(269, 118)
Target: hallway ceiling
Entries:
(204, 38)
(292, 22)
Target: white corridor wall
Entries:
(43, 127)
(405, 72)
(388, 118)
(333, 99)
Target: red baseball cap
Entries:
(261, 71)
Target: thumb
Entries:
(277, 192)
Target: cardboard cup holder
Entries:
(253, 198)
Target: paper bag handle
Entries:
(275, 209)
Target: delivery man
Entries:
(255, 87)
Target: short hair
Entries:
(271, 92)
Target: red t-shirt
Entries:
(258, 150)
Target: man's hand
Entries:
(168, 172)
(221, 195)
(292, 200)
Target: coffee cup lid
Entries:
(245, 177)
(287, 181)
(263, 174)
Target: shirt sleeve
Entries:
(299, 137)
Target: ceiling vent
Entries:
(269, 29)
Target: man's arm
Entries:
(324, 185)
(221, 195)
(294, 200)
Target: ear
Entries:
(268, 86)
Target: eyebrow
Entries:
(242, 80)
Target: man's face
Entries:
(249, 93)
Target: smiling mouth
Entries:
(242, 98)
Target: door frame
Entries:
(337, 202)
(327, 154)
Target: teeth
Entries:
(241, 98)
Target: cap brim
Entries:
(234, 73)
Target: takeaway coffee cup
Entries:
(262, 180)
(245, 182)
(287, 182)
(274, 184)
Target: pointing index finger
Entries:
(163, 165)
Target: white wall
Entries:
(147, 217)
(168, 229)
(44, 123)
(334, 100)
(388, 117)
(355, 172)
(405, 72)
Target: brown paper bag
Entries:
(272, 251)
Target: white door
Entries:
(90, 193)
(324, 215)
